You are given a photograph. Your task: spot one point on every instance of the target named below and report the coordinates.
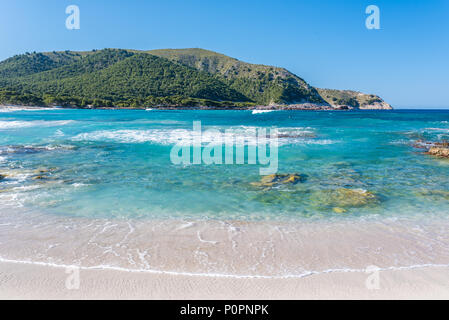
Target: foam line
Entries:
(219, 275)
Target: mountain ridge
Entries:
(163, 78)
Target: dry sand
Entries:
(28, 281)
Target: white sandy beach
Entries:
(26, 281)
(217, 260)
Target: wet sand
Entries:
(26, 281)
(179, 259)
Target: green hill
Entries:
(30, 63)
(262, 84)
(138, 79)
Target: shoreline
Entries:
(22, 281)
(238, 254)
(222, 249)
(300, 107)
(218, 275)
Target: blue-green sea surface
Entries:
(116, 163)
(98, 188)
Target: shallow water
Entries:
(87, 169)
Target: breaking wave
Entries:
(35, 123)
(213, 135)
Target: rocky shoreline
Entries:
(302, 106)
(438, 149)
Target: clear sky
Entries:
(327, 43)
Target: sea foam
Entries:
(35, 123)
(243, 135)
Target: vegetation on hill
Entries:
(30, 63)
(262, 84)
(118, 78)
(169, 77)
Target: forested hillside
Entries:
(157, 78)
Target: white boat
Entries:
(261, 111)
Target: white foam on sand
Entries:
(236, 249)
(220, 275)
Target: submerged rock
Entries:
(39, 178)
(345, 177)
(339, 210)
(345, 198)
(274, 180)
(44, 173)
(2, 177)
(435, 194)
(286, 199)
(45, 170)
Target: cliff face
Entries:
(377, 106)
(353, 99)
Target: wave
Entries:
(221, 275)
(438, 129)
(14, 109)
(34, 123)
(33, 149)
(213, 135)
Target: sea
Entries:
(104, 189)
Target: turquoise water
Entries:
(97, 188)
(116, 163)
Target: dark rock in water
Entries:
(39, 178)
(439, 149)
(45, 170)
(2, 177)
(423, 144)
(17, 149)
(274, 180)
(443, 144)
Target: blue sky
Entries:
(325, 42)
